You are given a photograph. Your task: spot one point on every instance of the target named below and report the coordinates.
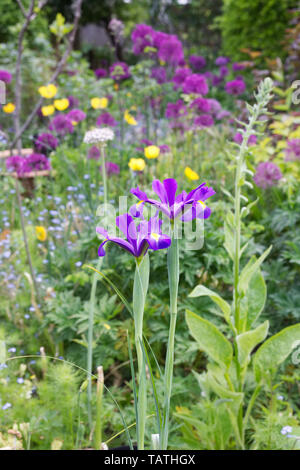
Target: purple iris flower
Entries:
(148, 234)
(188, 206)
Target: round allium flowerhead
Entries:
(5, 76)
(222, 61)
(180, 75)
(197, 61)
(235, 87)
(201, 104)
(152, 151)
(111, 168)
(36, 162)
(191, 174)
(142, 36)
(195, 83)
(170, 50)
(76, 115)
(46, 141)
(15, 163)
(176, 110)
(100, 73)
(98, 135)
(159, 73)
(292, 151)
(204, 121)
(62, 125)
(93, 153)
(267, 175)
(106, 119)
(119, 71)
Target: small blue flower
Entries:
(6, 406)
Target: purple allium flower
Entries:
(93, 153)
(100, 73)
(147, 235)
(267, 175)
(238, 138)
(159, 73)
(236, 67)
(174, 206)
(215, 106)
(201, 104)
(195, 83)
(73, 102)
(222, 61)
(111, 168)
(45, 142)
(292, 151)
(235, 87)
(119, 71)
(180, 76)
(176, 110)
(164, 148)
(205, 120)
(106, 119)
(197, 62)
(216, 80)
(61, 124)
(222, 114)
(76, 115)
(36, 162)
(15, 163)
(117, 28)
(171, 50)
(142, 36)
(5, 76)
(223, 71)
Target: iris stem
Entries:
(173, 274)
(140, 288)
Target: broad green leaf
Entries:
(253, 302)
(201, 291)
(250, 268)
(210, 339)
(275, 350)
(246, 342)
(229, 239)
(223, 392)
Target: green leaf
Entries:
(2, 352)
(201, 291)
(210, 339)
(249, 270)
(246, 342)
(275, 350)
(252, 304)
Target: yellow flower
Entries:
(41, 233)
(295, 134)
(48, 110)
(281, 144)
(99, 103)
(62, 104)
(152, 151)
(190, 174)
(106, 326)
(48, 91)
(9, 108)
(116, 86)
(137, 164)
(130, 119)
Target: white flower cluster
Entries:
(98, 135)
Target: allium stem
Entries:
(98, 430)
(173, 273)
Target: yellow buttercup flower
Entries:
(41, 233)
(137, 164)
(191, 174)
(9, 108)
(152, 151)
(48, 91)
(99, 103)
(48, 110)
(130, 119)
(62, 104)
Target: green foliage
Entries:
(254, 25)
